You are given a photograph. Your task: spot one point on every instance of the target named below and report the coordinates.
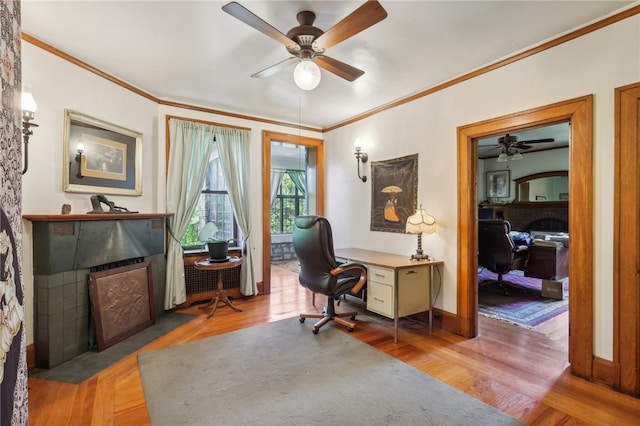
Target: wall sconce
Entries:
(361, 156)
(79, 160)
(28, 113)
(418, 223)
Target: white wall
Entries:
(595, 64)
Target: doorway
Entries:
(535, 162)
(314, 165)
(579, 113)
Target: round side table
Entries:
(220, 295)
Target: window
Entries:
(214, 206)
(289, 203)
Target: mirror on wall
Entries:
(543, 187)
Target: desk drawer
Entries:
(380, 298)
(380, 275)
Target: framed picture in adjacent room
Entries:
(394, 193)
(498, 184)
(100, 157)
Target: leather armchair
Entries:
(497, 252)
(321, 273)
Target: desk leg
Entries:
(396, 320)
(430, 298)
(220, 296)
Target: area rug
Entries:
(524, 306)
(280, 373)
(85, 365)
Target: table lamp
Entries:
(418, 223)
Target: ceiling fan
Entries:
(511, 147)
(308, 43)
(512, 142)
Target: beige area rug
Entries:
(280, 373)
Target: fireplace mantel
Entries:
(91, 216)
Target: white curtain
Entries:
(234, 149)
(190, 147)
(276, 179)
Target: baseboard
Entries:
(31, 357)
(445, 320)
(603, 371)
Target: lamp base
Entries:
(419, 257)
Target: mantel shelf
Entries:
(92, 216)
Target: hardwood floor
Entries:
(523, 374)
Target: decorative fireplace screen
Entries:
(122, 302)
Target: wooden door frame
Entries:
(267, 138)
(579, 113)
(626, 254)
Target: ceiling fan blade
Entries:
(360, 19)
(520, 146)
(268, 72)
(339, 68)
(245, 15)
(539, 140)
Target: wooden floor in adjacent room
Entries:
(521, 372)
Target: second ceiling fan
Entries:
(307, 43)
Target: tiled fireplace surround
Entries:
(66, 247)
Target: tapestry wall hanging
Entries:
(394, 192)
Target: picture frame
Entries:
(122, 302)
(100, 157)
(394, 193)
(498, 184)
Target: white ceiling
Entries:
(192, 52)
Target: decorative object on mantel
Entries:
(418, 223)
(66, 209)
(97, 200)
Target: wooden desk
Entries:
(220, 295)
(398, 277)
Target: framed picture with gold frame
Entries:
(100, 157)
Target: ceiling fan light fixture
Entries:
(517, 156)
(502, 157)
(307, 75)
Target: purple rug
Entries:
(523, 306)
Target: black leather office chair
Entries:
(497, 252)
(321, 273)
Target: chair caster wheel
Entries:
(302, 320)
(349, 329)
(316, 331)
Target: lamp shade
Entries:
(28, 103)
(421, 222)
(307, 74)
(516, 156)
(502, 157)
